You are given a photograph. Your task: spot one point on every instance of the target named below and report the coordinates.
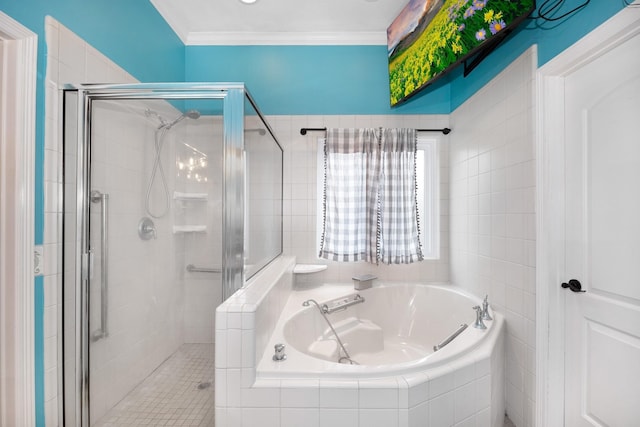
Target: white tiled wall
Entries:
(69, 59)
(146, 291)
(149, 290)
(202, 291)
(300, 196)
(493, 215)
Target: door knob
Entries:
(574, 285)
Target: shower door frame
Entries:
(232, 96)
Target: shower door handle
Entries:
(103, 199)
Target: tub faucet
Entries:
(479, 323)
(485, 309)
(279, 356)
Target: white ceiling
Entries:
(230, 22)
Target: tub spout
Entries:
(279, 356)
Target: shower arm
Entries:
(323, 311)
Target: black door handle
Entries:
(574, 285)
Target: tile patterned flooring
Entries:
(180, 392)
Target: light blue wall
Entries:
(323, 80)
(551, 37)
(134, 35)
(309, 80)
(131, 33)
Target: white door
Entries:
(602, 252)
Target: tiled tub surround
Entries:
(447, 388)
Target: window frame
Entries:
(429, 189)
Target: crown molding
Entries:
(222, 38)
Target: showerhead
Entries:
(192, 114)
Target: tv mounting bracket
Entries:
(471, 63)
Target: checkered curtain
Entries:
(399, 237)
(370, 209)
(352, 165)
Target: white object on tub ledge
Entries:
(309, 268)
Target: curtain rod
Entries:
(303, 131)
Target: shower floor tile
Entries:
(178, 393)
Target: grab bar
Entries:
(450, 337)
(103, 199)
(193, 269)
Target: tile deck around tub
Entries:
(180, 392)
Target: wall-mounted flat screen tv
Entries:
(430, 37)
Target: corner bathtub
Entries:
(399, 377)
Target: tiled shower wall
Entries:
(145, 308)
(492, 153)
(301, 176)
(69, 59)
(202, 291)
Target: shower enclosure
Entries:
(172, 198)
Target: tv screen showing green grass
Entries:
(430, 37)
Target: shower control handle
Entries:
(147, 229)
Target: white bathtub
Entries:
(400, 381)
(392, 332)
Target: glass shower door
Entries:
(152, 173)
(163, 220)
(155, 224)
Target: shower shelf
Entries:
(189, 196)
(181, 229)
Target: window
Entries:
(428, 180)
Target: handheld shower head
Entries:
(192, 114)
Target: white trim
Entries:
(429, 194)
(551, 209)
(17, 157)
(222, 38)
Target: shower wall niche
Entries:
(173, 197)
